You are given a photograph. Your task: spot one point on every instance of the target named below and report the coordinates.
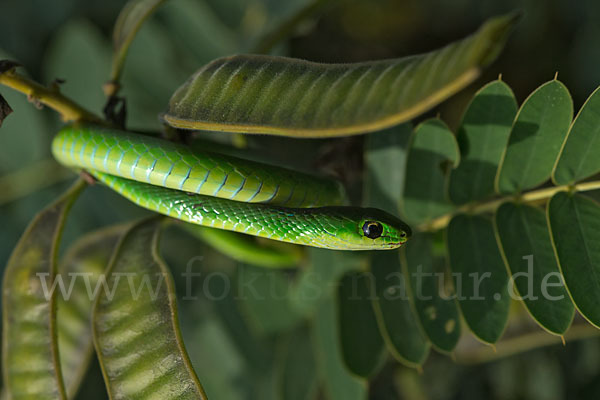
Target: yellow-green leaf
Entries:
(30, 360)
(80, 271)
(574, 222)
(283, 96)
(525, 244)
(482, 137)
(579, 156)
(136, 330)
(536, 138)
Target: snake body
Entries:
(220, 191)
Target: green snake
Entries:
(225, 192)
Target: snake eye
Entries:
(372, 229)
(403, 235)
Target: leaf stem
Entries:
(534, 196)
(49, 96)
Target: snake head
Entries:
(355, 228)
(382, 230)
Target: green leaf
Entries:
(524, 240)
(338, 383)
(482, 136)
(246, 249)
(30, 362)
(536, 138)
(362, 346)
(136, 330)
(265, 299)
(129, 22)
(480, 278)
(432, 148)
(80, 271)
(395, 316)
(579, 157)
(298, 376)
(282, 96)
(385, 163)
(437, 312)
(575, 228)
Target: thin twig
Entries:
(534, 196)
(51, 97)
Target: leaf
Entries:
(283, 96)
(481, 137)
(29, 339)
(298, 377)
(432, 148)
(246, 249)
(524, 240)
(135, 325)
(574, 222)
(480, 279)
(579, 156)
(361, 344)
(385, 163)
(129, 22)
(536, 138)
(436, 310)
(265, 299)
(338, 383)
(395, 317)
(80, 271)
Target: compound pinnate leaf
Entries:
(536, 138)
(480, 278)
(574, 222)
(524, 240)
(129, 22)
(482, 136)
(396, 319)
(80, 271)
(436, 310)
(579, 157)
(30, 360)
(276, 95)
(135, 325)
(362, 346)
(432, 150)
